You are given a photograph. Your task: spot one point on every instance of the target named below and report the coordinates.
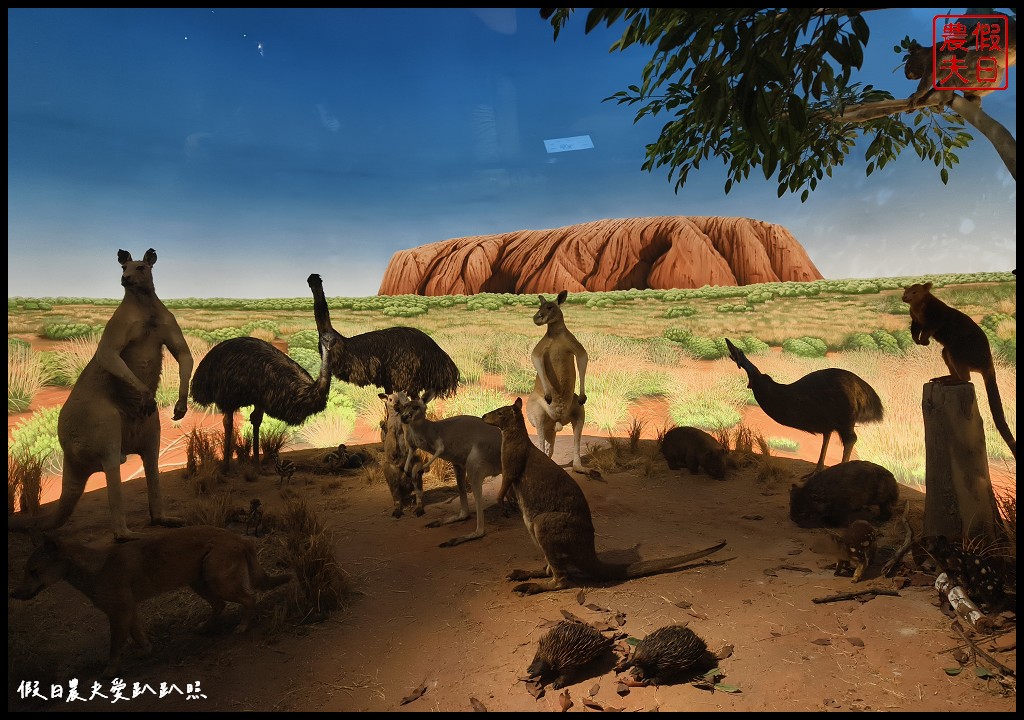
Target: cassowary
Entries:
(394, 359)
(247, 371)
(821, 402)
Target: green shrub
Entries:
(886, 342)
(805, 347)
(308, 359)
(36, 438)
(858, 341)
(66, 331)
(680, 311)
(781, 443)
(306, 339)
(903, 338)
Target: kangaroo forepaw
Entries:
(528, 588)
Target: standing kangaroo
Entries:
(557, 515)
(553, 402)
(111, 410)
(965, 348)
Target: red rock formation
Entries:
(654, 252)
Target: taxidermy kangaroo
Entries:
(111, 410)
(965, 347)
(553, 402)
(218, 564)
(557, 515)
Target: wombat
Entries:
(693, 448)
(834, 496)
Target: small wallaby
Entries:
(557, 515)
(965, 347)
(693, 448)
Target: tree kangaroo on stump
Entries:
(557, 516)
(553, 402)
(965, 348)
(111, 410)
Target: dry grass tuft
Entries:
(211, 509)
(321, 585)
(202, 461)
(634, 432)
(24, 484)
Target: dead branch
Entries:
(908, 543)
(854, 595)
(978, 651)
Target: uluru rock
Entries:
(652, 252)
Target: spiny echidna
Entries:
(566, 648)
(671, 653)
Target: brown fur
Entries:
(554, 402)
(219, 565)
(471, 446)
(693, 448)
(965, 347)
(111, 411)
(834, 496)
(403, 485)
(855, 548)
(557, 515)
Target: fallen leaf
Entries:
(632, 682)
(983, 672)
(620, 618)
(822, 641)
(414, 695)
(725, 652)
(727, 688)
(919, 579)
(753, 517)
(776, 634)
(603, 626)
(594, 690)
(569, 616)
(622, 689)
(795, 568)
(952, 672)
(855, 641)
(595, 607)
(633, 641)
(829, 702)
(477, 705)
(581, 597)
(593, 704)
(770, 572)
(699, 616)
(682, 604)
(564, 700)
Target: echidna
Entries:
(672, 653)
(564, 649)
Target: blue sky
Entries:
(251, 147)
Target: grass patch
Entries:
(781, 443)
(26, 376)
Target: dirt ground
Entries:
(443, 627)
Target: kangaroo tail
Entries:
(260, 579)
(23, 522)
(644, 568)
(995, 404)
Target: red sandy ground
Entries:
(445, 620)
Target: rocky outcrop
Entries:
(652, 252)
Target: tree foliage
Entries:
(772, 89)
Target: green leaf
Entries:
(727, 688)
(983, 672)
(952, 672)
(632, 641)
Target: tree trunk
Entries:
(959, 502)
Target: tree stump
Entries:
(959, 502)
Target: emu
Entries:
(821, 402)
(247, 371)
(395, 358)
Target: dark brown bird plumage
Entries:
(394, 359)
(821, 402)
(248, 371)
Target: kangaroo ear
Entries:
(518, 404)
(427, 396)
(542, 300)
(927, 286)
(123, 256)
(562, 296)
(150, 257)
